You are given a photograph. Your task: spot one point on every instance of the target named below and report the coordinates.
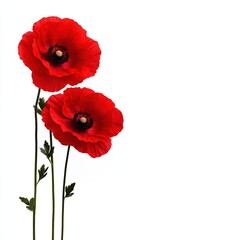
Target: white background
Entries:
(172, 68)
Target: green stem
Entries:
(53, 189)
(63, 190)
(35, 165)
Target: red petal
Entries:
(25, 52)
(94, 149)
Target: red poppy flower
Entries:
(58, 52)
(83, 119)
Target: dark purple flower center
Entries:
(83, 121)
(57, 55)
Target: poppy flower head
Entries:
(59, 52)
(83, 119)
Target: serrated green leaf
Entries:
(41, 103)
(24, 200)
(42, 172)
(69, 189)
(32, 201)
(46, 146)
(69, 195)
(29, 203)
(47, 150)
(38, 110)
(43, 151)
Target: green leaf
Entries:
(29, 203)
(46, 146)
(38, 110)
(47, 150)
(69, 190)
(41, 103)
(24, 200)
(42, 172)
(69, 195)
(43, 151)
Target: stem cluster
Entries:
(39, 174)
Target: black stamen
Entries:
(54, 59)
(82, 125)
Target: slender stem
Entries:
(53, 189)
(63, 190)
(35, 165)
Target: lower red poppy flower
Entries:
(83, 119)
(59, 52)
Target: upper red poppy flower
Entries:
(59, 52)
(83, 119)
